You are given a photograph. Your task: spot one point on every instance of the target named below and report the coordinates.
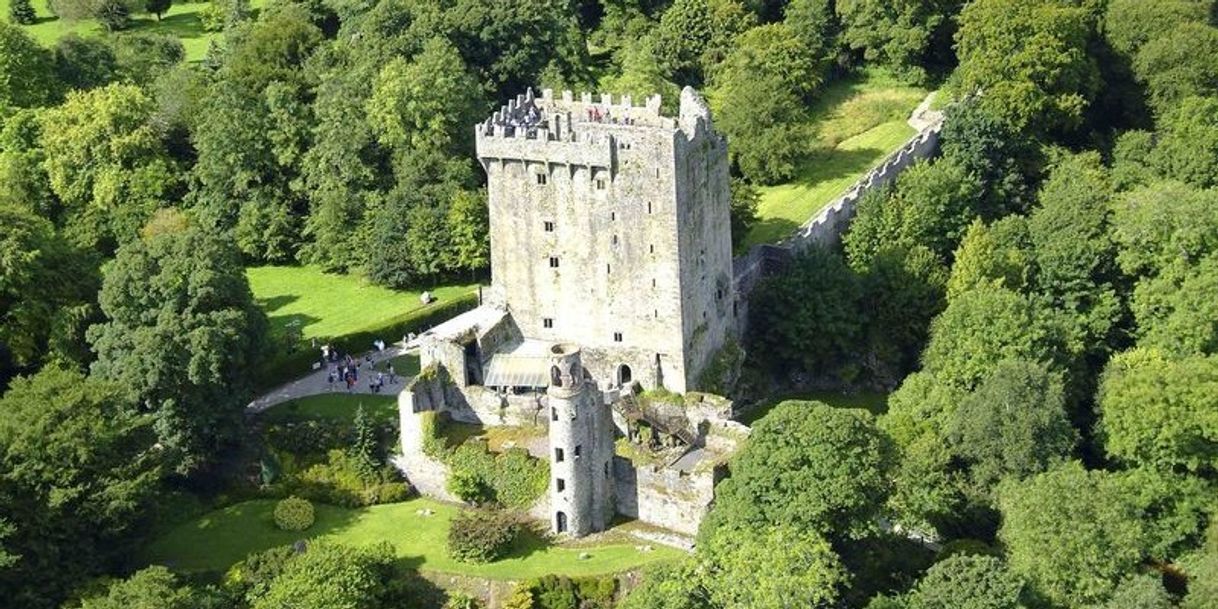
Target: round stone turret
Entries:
(581, 444)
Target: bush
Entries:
(342, 480)
(461, 600)
(294, 514)
(481, 536)
(22, 12)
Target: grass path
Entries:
(181, 20)
(855, 124)
(217, 540)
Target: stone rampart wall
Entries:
(663, 497)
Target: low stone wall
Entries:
(663, 497)
(428, 476)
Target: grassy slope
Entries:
(324, 305)
(182, 20)
(336, 407)
(216, 540)
(855, 123)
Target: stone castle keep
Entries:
(611, 273)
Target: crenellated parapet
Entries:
(583, 130)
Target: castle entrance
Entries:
(560, 522)
(624, 376)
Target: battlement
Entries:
(586, 128)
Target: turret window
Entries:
(560, 484)
(577, 451)
(559, 457)
(600, 184)
(553, 262)
(553, 414)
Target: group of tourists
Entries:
(345, 369)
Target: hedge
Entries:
(513, 478)
(292, 365)
(481, 536)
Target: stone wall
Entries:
(428, 476)
(828, 225)
(663, 497)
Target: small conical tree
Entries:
(157, 7)
(21, 11)
(363, 446)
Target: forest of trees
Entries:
(1041, 297)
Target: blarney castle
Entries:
(611, 282)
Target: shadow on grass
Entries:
(219, 539)
(831, 164)
(181, 25)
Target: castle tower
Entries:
(581, 448)
(610, 228)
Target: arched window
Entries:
(555, 376)
(560, 522)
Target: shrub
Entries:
(341, 480)
(251, 577)
(555, 592)
(294, 514)
(22, 12)
(480, 536)
(469, 487)
(461, 600)
(512, 478)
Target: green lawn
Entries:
(304, 300)
(336, 407)
(403, 365)
(876, 403)
(215, 541)
(181, 20)
(855, 124)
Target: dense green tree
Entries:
(907, 35)
(809, 317)
(1013, 425)
(1140, 592)
(143, 56)
(695, 35)
(28, 68)
(1203, 574)
(1131, 160)
(428, 102)
(1176, 64)
(1187, 149)
(774, 568)
(902, 293)
(23, 178)
(1176, 312)
(85, 63)
(986, 325)
(1076, 534)
(22, 12)
(757, 97)
(333, 576)
(467, 225)
(967, 582)
(809, 466)
(931, 206)
(78, 474)
(272, 48)
(1158, 412)
(815, 22)
(106, 162)
(669, 586)
(744, 209)
(154, 588)
(1074, 255)
(1130, 24)
(1006, 161)
(1164, 226)
(999, 254)
(183, 337)
(1028, 61)
(641, 75)
(46, 289)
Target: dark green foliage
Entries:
(1013, 425)
(344, 480)
(1130, 24)
(183, 337)
(554, 592)
(21, 12)
(902, 292)
(29, 68)
(512, 478)
(770, 567)
(668, 586)
(816, 23)
(1203, 576)
(744, 209)
(364, 448)
(695, 35)
(912, 37)
(807, 465)
(142, 56)
(78, 476)
(294, 514)
(155, 587)
(1187, 147)
(251, 577)
(1140, 592)
(335, 576)
(1005, 160)
(967, 582)
(481, 536)
(157, 7)
(85, 63)
(809, 317)
(1176, 64)
(1036, 87)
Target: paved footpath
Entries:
(315, 383)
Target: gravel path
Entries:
(314, 383)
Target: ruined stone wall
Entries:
(611, 232)
(663, 497)
(428, 476)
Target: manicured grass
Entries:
(219, 539)
(876, 403)
(403, 365)
(336, 407)
(304, 300)
(855, 124)
(181, 20)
